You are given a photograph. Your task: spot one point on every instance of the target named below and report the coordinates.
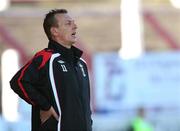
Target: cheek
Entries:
(65, 34)
(68, 35)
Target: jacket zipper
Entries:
(76, 68)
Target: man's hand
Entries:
(44, 115)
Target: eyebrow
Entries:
(69, 20)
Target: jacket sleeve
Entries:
(26, 83)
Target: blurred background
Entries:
(132, 50)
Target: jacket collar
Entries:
(70, 55)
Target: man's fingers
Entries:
(44, 115)
(55, 114)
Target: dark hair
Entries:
(50, 20)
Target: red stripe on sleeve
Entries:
(21, 86)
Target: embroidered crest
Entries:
(82, 69)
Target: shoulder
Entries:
(43, 56)
(44, 53)
(82, 60)
(82, 63)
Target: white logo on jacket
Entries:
(64, 69)
(61, 61)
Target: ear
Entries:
(54, 31)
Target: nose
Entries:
(74, 25)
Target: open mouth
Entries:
(73, 34)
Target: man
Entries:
(55, 81)
(140, 122)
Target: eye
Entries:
(68, 23)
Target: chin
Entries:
(74, 41)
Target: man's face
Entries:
(66, 30)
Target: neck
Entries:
(66, 45)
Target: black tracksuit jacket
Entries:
(58, 77)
